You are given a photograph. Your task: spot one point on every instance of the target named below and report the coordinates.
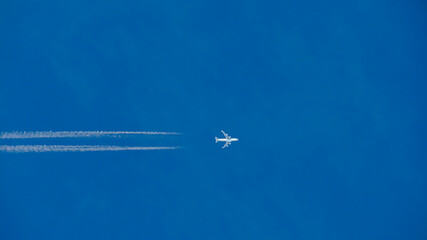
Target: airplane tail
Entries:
(216, 139)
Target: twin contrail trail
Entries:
(75, 134)
(75, 148)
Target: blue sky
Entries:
(327, 99)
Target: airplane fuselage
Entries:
(227, 140)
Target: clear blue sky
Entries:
(327, 98)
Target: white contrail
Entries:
(75, 148)
(75, 134)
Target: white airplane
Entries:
(227, 139)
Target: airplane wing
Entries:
(225, 135)
(226, 144)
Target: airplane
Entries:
(227, 139)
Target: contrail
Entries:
(75, 148)
(75, 134)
